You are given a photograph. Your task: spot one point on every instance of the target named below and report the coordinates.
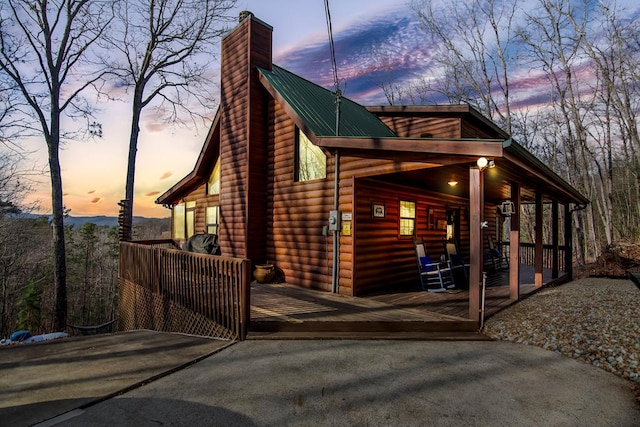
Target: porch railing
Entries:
(177, 291)
(527, 254)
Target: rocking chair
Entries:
(460, 269)
(498, 259)
(434, 276)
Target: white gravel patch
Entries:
(595, 320)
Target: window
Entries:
(190, 218)
(407, 218)
(184, 220)
(178, 221)
(311, 160)
(212, 216)
(213, 185)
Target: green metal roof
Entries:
(315, 106)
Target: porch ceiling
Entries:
(497, 186)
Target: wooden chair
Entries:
(498, 260)
(460, 269)
(434, 276)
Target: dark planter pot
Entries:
(264, 273)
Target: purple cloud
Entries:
(388, 48)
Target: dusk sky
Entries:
(94, 171)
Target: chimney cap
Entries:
(244, 15)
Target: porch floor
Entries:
(281, 310)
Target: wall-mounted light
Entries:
(452, 182)
(484, 163)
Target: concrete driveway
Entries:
(40, 381)
(375, 383)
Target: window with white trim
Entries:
(407, 218)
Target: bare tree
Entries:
(164, 49)
(476, 44)
(614, 52)
(45, 47)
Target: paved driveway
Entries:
(43, 380)
(376, 383)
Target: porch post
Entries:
(476, 205)
(568, 242)
(514, 244)
(538, 256)
(555, 239)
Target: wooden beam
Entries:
(539, 247)
(568, 241)
(514, 244)
(463, 147)
(476, 206)
(554, 239)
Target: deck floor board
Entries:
(293, 309)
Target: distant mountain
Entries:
(99, 220)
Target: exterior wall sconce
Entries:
(483, 163)
(452, 182)
(507, 208)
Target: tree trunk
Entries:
(57, 208)
(131, 163)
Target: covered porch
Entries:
(486, 186)
(279, 310)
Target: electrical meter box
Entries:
(334, 220)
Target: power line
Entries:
(334, 65)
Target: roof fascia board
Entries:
(466, 147)
(186, 183)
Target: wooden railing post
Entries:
(538, 254)
(568, 241)
(514, 244)
(157, 270)
(245, 300)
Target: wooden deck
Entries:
(281, 310)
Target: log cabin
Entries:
(335, 197)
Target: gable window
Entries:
(213, 185)
(311, 160)
(407, 218)
(212, 218)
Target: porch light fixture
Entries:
(507, 208)
(452, 182)
(483, 163)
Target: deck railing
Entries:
(528, 250)
(170, 289)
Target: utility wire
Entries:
(334, 65)
(331, 46)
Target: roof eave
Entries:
(200, 170)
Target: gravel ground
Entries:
(595, 320)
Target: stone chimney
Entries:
(243, 139)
